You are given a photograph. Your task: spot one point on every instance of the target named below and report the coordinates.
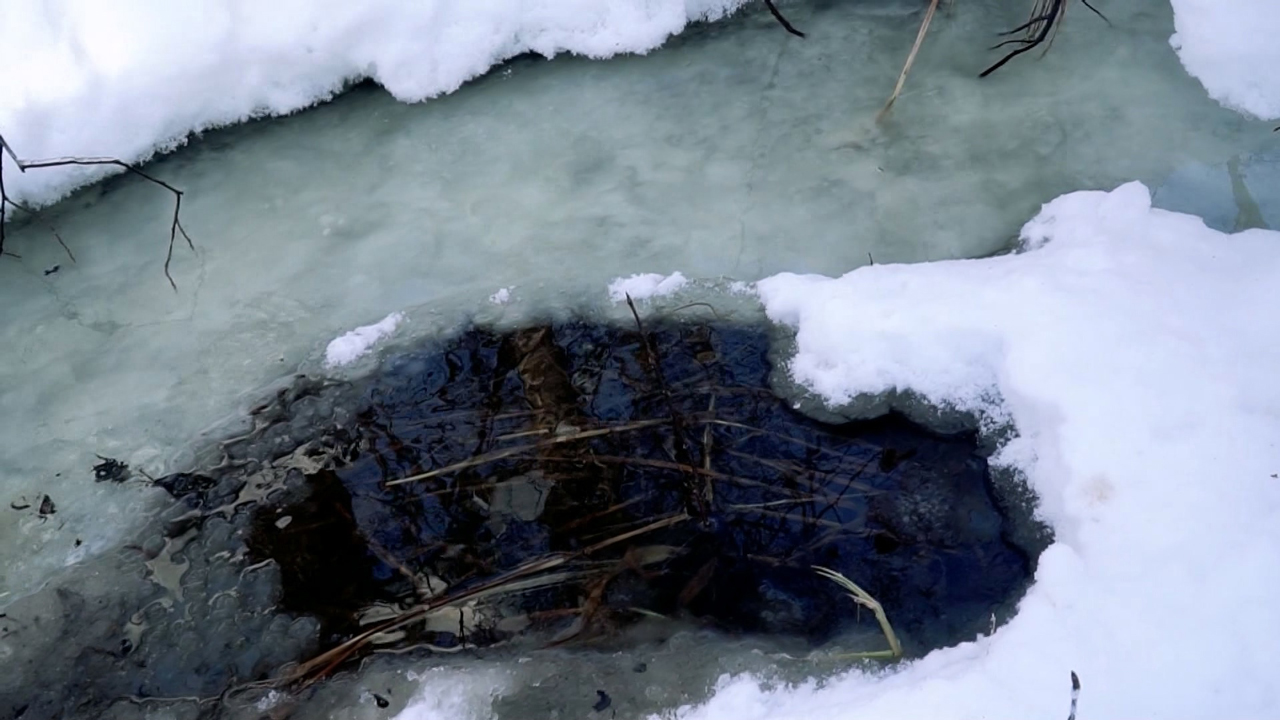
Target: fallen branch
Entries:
(23, 165)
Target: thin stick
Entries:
(696, 499)
(782, 20)
(1046, 21)
(175, 227)
(911, 58)
(508, 452)
(324, 663)
(1075, 694)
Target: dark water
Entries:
(581, 488)
(659, 475)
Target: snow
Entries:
(645, 286)
(1134, 350)
(127, 79)
(501, 297)
(1230, 46)
(351, 346)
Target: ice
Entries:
(501, 296)
(645, 286)
(1231, 47)
(349, 347)
(734, 153)
(134, 77)
(1134, 350)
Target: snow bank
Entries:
(1233, 48)
(350, 347)
(645, 286)
(128, 78)
(1136, 352)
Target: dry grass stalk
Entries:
(911, 58)
(517, 580)
(863, 598)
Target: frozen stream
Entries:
(737, 151)
(734, 152)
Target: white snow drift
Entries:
(126, 79)
(131, 78)
(1231, 47)
(1135, 351)
(349, 347)
(645, 286)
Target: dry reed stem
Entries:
(863, 598)
(911, 58)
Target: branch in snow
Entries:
(23, 165)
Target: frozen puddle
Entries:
(736, 151)
(1121, 362)
(558, 489)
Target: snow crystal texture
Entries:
(645, 286)
(351, 346)
(1233, 48)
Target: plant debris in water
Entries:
(556, 483)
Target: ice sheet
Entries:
(736, 152)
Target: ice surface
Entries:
(349, 347)
(135, 77)
(737, 151)
(1134, 352)
(124, 79)
(1134, 349)
(1230, 46)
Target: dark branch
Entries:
(32, 213)
(1039, 28)
(174, 228)
(1026, 25)
(782, 20)
(1048, 20)
(1097, 12)
(696, 498)
(1075, 694)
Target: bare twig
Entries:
(489, 457)
(782, 20)
(1075, 694)
(1042, 27)
(175, 227)
(696, 496)
(1039, 27)
(1097, 12)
